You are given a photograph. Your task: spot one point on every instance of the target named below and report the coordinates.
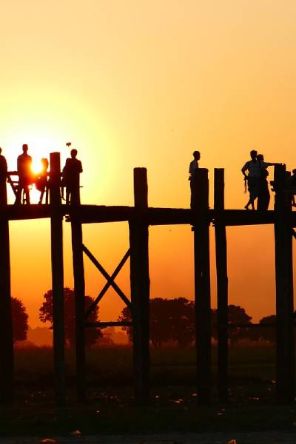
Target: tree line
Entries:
(171, 321)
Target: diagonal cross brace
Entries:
(110, 279)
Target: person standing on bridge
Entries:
(292, 187)
(41, 181)
(71, 178)
(193, 167)
(263, 194)
(24, 169)
(3, 174)
(257, 168)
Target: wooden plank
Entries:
(202, 284)
(140, 287)
(100, 213)
(57, 267)
(79, 289)
(152, 216)
(244, 217)
(6, 331)
(168, 216)
(108, 324)
(222, 285)
(285, 354)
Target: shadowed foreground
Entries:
(188, 438)
(111, 416)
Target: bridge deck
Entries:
(153, 216)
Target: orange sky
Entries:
(137, 83)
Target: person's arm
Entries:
(267, 164)
(244, 169)
(190, 171)
(18, 164)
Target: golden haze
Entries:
(135, 83)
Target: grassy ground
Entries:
(110, 407)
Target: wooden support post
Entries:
(6, 332)
(79, 289)
(140, 285)
(285, 365)
(57, 277)
(222, 285)
(200, 207)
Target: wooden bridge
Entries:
(139, 218)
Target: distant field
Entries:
(110, 407)
(251, 369)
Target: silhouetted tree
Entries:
(19, 320)
(170, 320)
(238, 321)
(267, 333)
(45, 315)
(125, 316)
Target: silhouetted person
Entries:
(3, 174)
(263, 192)
(252, 178)
(3, 167)
(24, 169)
(193, 167)
(71, 178)
(255, 168)
(42, 181)
(292, 187)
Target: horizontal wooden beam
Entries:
(87, 214)
(243, 217)
(25, 212)
(101, 213)
(108, 324)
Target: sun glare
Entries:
(41, 143)
(36, 167)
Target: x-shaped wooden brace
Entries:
(110, 279)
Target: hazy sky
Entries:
(144, 83)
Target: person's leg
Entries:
(267, 198)
(253, 193)
(26, 194)
(41, 195)
(18, 196)
(67, 196)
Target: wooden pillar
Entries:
(79, 289)
(285, 365)
(222, 285)
(57, 277)
(140, 286)
(200, 207)
(6, 332)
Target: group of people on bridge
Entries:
(255, 176)
(70, 178)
